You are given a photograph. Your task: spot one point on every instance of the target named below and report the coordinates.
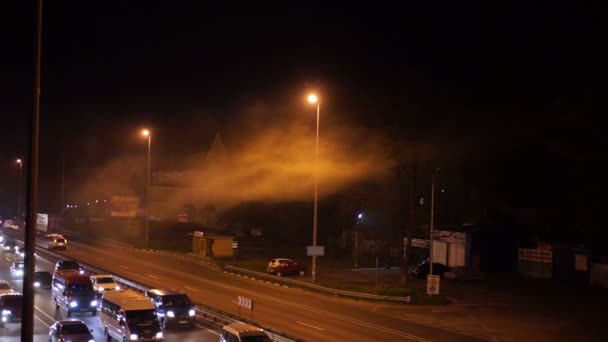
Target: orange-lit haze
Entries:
(272, 160)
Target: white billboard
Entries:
(124, 206)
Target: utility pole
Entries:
(411, 222)
(62, 203)
(432, 221)
(27, 321)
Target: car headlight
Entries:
(91, 340)
(36, 284)
(81, 271)
(191, 312)
(19, 272)
(170, 314)
(117, 288)
(73, 304)
(159, 335)
(6, 312)
(6, 248)
(133, 336)
(4, 319)
(93, 303)
(100, 289)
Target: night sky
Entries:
(499, 78)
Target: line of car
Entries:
(171, 308)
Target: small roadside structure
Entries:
(211, 245)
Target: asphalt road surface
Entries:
(45, 313)
(309, 316)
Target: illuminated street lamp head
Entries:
(312, 98)
(19, 161)
(145, 132)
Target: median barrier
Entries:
(358, 295)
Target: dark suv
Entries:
(10, 308)
(62, 265)
(173, 307)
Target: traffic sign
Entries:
(432, 284)
(315, 250)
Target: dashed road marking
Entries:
(310, 325)
(192, 288)
(152, 276)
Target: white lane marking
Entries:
(214, 332)
(309, 325)
(151, 276)
(45, 315)
(43, 322)
(281, 301)
(125, 267)
(192, 288)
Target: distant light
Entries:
(67, 206)
(312, 98)
(96, 201)
(360, 216)
(19, 161)
(88, 203)
(442, 190)
(145, 132)
(104, 200)
(75, 206)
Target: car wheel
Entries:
(301, 273)
(279, 274)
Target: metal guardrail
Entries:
(337, 292)
(204, 312)
(103, 240)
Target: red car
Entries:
(280, 267)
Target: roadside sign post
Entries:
(235, 247)
(245, 302)
(432, 284)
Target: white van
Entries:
(129, 316)
(242, 332)
(73, 292)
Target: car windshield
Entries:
(43, 276)
(176, 300)
(68, 265)
(4, 286)
(139, 317)
(80, 288)
(59, 241)
(74, 329)
(13, 301)
(255, 339)
(105, 280)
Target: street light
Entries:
(147, 133)
(312, 99)
(432, 220)
(20, 163)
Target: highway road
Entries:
(46, 314)
(306, 315)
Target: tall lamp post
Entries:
(432, 220)
(312, 98)
(20, 163)
(146, 133)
